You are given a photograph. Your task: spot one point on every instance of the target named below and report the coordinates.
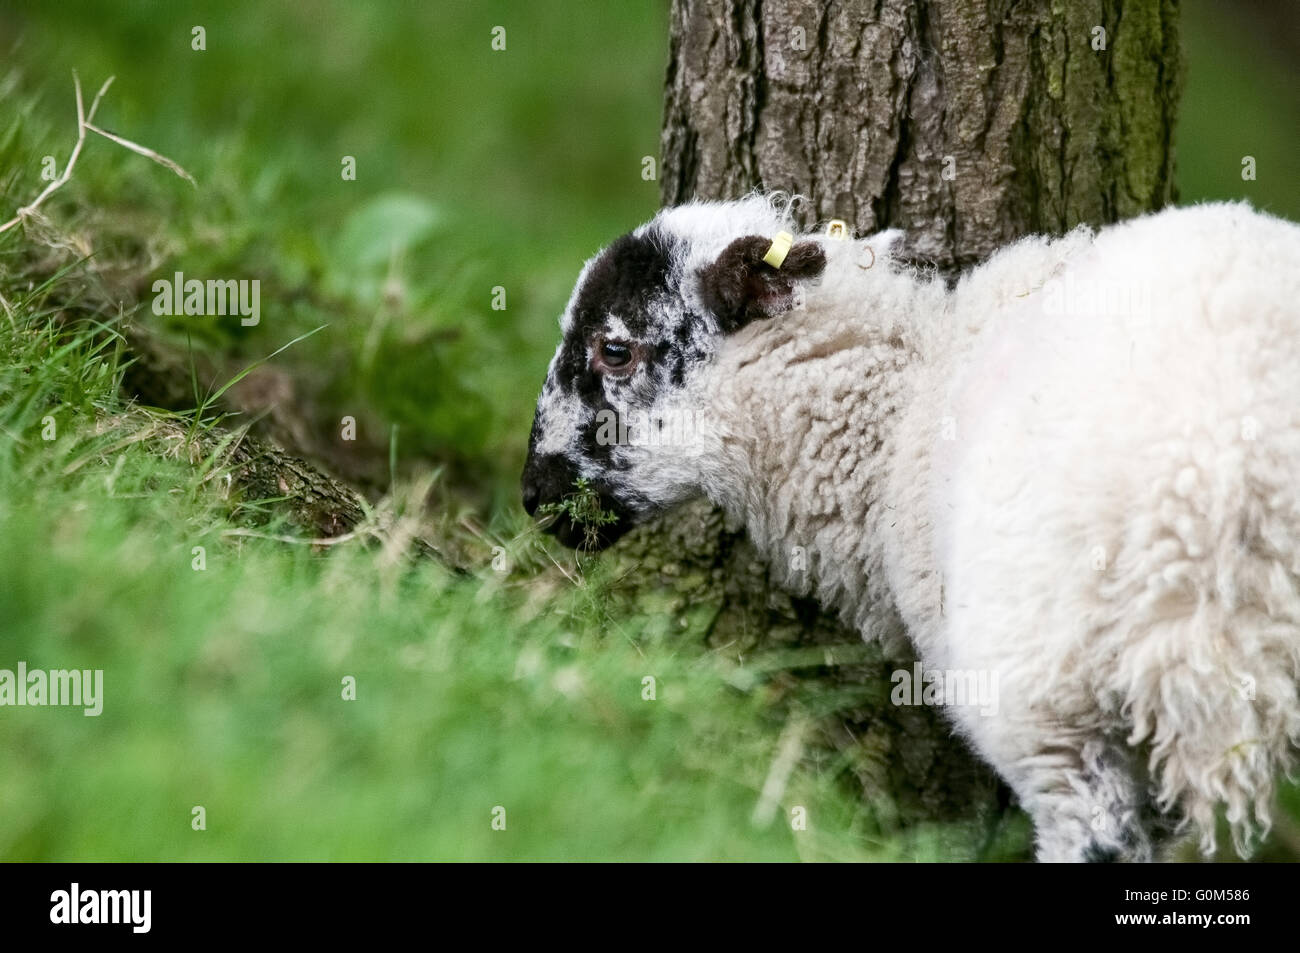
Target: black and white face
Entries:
(624, 406)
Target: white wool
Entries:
(1078, 469)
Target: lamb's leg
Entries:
(1090, 809)
(1082, 792)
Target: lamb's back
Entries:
(1123, 434)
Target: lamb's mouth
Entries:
(580, 512)
(586, 537)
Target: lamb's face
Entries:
(631, 345)
(624, 404)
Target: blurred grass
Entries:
(1241, 100)
(224, 685)
(517, 165)
(224, 680)
(475, 169)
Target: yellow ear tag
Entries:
(780, 248)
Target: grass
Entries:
(225, 684)
(519, 684)
(225, 676)
(583, 507)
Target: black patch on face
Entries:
(626, 279)
(630, 272)
(628, 276)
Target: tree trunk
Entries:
(967, 123)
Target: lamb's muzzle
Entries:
(1075, 472)
(548, 479)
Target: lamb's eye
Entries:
(615, 354)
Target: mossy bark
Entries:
(967, 123)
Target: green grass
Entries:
(1241, 100)
(475, 170)
(224, 680)
(224, 685)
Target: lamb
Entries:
(1075, 469)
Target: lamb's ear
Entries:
(740, 286)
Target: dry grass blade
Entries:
(85, 124)
(144, 151)
(789, 749)
(298, 540)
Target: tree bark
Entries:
(967, 123)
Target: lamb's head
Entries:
(625, 406)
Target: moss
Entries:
(1096, 146)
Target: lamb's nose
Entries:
(546, 478)
(531, 497)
